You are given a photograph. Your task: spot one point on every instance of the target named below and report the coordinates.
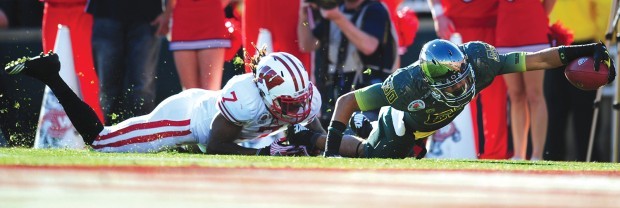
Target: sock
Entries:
(83, 118)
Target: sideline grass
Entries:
(54, 157)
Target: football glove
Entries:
(360, 125)
(601, 55)
(279, 148)
(298, 134)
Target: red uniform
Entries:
(523, 25)
(71, 13)
(280, 18)
(529, 27)
(198, 24)
(476, 20)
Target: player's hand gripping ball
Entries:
(581, 73)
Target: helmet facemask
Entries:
(455, 89)
(292, 109)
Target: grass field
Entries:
(81, 178)
(55, 157)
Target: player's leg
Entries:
(490, 122)
(581, 103)
(538, 111)
(518, 114)
(167, 127)
(186, 62)
(211, 62)
(142, 49)
(45, 68)
(351, 146)
(385, 142)
(109, 58)
(558, 96)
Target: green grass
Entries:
(55, 157)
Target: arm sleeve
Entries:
(371, 97)
(512, 62)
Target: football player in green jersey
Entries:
(419, 99)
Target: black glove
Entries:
(360, 125)
(601, 55)
(300, 135)
(278, 148)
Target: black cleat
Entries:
(40, 67)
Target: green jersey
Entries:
(406, 90)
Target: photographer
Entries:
(357, 42)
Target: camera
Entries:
(325, 4)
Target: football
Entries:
(580, 72)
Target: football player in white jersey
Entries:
(277, 94)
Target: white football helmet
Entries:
(285, 87)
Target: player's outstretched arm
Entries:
(224, 133)
(544, 59)
(345, 106)
(557, 56)
(351, 146)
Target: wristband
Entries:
(569, 53)
(334, 136)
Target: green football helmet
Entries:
(451, 78)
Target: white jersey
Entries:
(240, 102)
(187, 117)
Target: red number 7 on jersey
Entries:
(233, 99)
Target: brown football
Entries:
(580, 72)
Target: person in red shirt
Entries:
(199, 40)
(281, 23)
(523, 26)
(71, 13)
(476, 20)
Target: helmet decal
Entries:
(270, 77)
(303, 83)
(290, 71)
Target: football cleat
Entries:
(41, 66)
